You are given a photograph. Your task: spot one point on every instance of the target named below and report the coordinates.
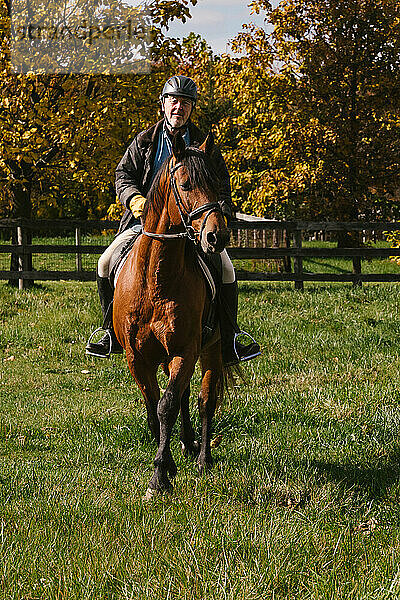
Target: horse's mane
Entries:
(201, 172)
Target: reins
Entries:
(186, 216)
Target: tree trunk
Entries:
(21, 208)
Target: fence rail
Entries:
(22, 249)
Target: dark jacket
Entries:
(133, 174)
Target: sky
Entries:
(217, 21)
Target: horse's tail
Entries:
(229, 379)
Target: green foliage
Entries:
(307, 115)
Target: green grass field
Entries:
(303, 501)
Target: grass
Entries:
(303, 501)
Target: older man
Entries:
(134, 176)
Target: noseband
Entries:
(186, 216)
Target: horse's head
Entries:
(195, 186)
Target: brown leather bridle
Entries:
(187, 216)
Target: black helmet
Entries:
(179, 85)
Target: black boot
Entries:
(108, 344)
(233, 351)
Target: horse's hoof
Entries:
(190, 451)
(204, 467)
(150, 495)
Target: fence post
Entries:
(287, 260)
(298, 261)
(357, 270)
(78, 254)
(21, 241)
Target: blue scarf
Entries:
(164, 149)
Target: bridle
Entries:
(186, 215)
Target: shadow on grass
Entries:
(327, 266)
(32, 287)
(373, 481)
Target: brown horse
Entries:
(160, 299)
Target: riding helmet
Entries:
(179, 85)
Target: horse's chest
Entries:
(172, 323)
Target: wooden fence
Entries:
(293, 233)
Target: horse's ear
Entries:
(208, 143)
(178, 146)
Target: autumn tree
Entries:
(63, 133)
(315, 121)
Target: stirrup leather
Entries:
(250, 356)
(106, 332)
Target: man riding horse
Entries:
(134, 176)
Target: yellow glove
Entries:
(136, 205)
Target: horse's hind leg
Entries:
(211, 365)
(168, 408)
(189, 445)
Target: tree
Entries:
(66, 131)
(314, 130)
(62, 134)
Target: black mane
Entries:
(201, 172)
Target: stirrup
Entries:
(106, 332)
(250, 356)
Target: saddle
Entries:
(210, 266)
(119, 257)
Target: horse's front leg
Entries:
(180, 371)
(212, 380)
(145, 376)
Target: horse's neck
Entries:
(158, 222)
(168, 255)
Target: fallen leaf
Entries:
(216, 441)
(367, 526)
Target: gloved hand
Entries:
(136, 205)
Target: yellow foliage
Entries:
(394, 239)
(304, 133)
(62, 135)
(115, 211)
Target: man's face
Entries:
(177, 110)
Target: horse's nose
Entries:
(211, 238)
(217, 240)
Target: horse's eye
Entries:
(186, 187)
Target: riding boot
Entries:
(108, 344)
(233, 351)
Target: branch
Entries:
(44, 161)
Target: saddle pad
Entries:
(119, 257)
(211, 267)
